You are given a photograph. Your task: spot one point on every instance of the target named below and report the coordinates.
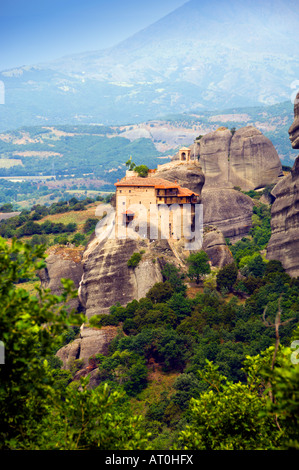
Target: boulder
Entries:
(68, 353)
(245, 159)
(228, 210)
(91, 341)
(216, 248)
(253, 162)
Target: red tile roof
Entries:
(157, 183)
(152, 182)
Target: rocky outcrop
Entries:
(188, 175)
(217, 250)
(246, 159)
(228, 210)
(253, 160)
(284, 242)
(62, 262)
(91, 341)
(214, 157)
(107, 279)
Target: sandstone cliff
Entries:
(223, 207)
(107, 279)
(246, 159)
(284, 241)
(228, 210)
(214, 157)
(254, 162)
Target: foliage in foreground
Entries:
(34, 412)
(234, 389)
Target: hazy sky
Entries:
(34, 31)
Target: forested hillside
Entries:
(72, 151)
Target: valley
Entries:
(60, 159)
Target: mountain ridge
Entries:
(208, 55)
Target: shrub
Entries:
(79, 206)
(134, 260)
(90, 225)
(78, 239)
(160, 292)
(142, 170)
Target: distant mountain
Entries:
(207, 54)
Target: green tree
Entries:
(198, 265)
(160, 292)
(226, 277)
(89, 419)
(227, 417)
(171, 273)
(126, 368)
(8, 207)
(253, 265)
(130, 165)
(276, 371)
(142, 170)
(29, 328)
(38, 410)
(78, 239)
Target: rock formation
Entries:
(284, 242)
(228, 210)
(107, 279)
(253, 160)
(246, 159)
(188, 175)
(214, 157)
(91, 341)
(217, 250)
(223, 207)
(62, 262)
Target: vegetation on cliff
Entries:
(217, 346)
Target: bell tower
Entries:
(185, 154)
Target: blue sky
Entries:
(35, 31)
